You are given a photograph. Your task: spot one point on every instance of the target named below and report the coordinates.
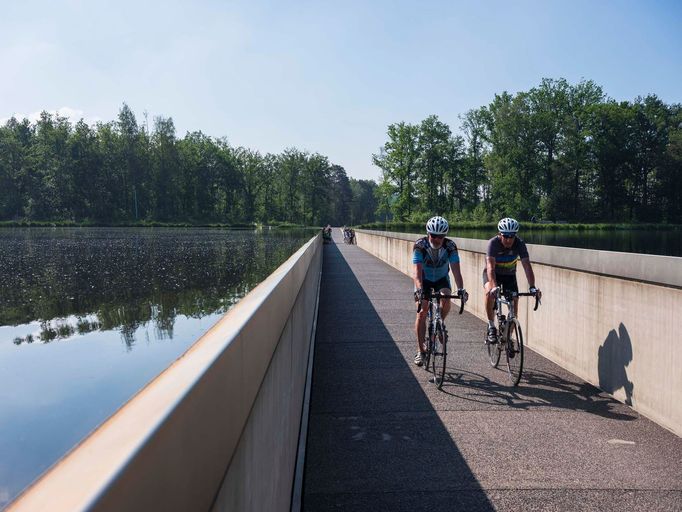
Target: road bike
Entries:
(437, 335)
(509, 334)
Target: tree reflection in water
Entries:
(78, 280)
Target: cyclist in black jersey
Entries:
(504, 250)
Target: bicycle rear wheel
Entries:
(440, 346)
(514, 352)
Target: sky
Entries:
(323, 76)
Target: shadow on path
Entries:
(375, 441)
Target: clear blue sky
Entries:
(319, 75)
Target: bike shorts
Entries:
(508, 283)
(443, 282)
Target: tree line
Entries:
(559, 151)
(120, 171)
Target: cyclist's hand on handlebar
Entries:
(493, 291)
(463, 294)
(536, 291)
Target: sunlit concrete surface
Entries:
(382, 437)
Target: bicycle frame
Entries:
(509, 333)
(507, 298)
(437, 335)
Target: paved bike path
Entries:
(382, 437)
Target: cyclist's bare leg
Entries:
(489, 301)
(445, 303)
(420, 326)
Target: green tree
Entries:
(340, 196)
(611, 147)
(477, 181)
(166, 179)
(86, 164)
(290, 169)
(435, 158)
(397, 160)
(573, 196)
(364, 204)
(513, 159)
(250, 168)
(649, 140)
(314, 183)
(135, 179)
(16, 138)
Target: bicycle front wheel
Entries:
(429, 351)
(440, 346)
(514, 351)
(494, 352)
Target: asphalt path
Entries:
(383, 437)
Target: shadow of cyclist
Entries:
(539, 389)
(613, 357)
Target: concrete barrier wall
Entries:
(610, 318)
(216, 430)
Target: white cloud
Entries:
(73, 114)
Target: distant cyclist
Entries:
(504, 250)
(433, 257)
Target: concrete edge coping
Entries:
(650, 268)
(297, 492)
(78, 479)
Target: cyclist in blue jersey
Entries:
(504, 251)
(433, 257)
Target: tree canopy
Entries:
(119, 172)
(558, 151)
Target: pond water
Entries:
(88, 316)
(666, 242)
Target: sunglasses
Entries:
(508, 235)
(437, 237)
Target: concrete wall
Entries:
(610, 318)
(219, 428)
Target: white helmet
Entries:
(508, 225)
(437, 226)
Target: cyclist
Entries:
(433, 257)
(504, 250)
(327, 234)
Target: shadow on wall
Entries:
(613, 357)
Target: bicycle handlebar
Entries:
(527, 294)
(438, 296)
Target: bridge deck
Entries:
(382, 437)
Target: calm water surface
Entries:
(88, 316)
(665, 242)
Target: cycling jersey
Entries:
(435, 262)
(505, 259)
